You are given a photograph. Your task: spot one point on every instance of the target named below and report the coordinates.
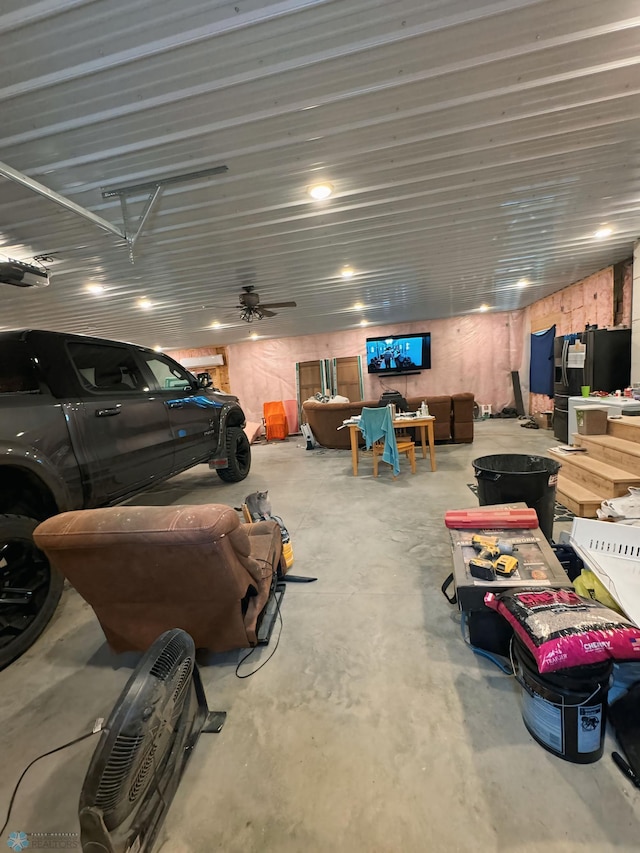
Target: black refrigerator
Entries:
(604, 364)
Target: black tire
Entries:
(25, 568)
(238, 454)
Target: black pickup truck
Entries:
(84, 423)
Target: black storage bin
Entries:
(489, 630)
(569, 560)
(513, 477)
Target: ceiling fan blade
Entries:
(280, 305)
(266, 313)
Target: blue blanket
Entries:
(377, 424)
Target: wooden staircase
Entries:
(609, 466)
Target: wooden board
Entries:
(546, 322)
(517, 393)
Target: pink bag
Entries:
(563, 630)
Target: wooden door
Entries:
(310, 379)
(348, 377)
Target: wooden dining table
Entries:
(424, 424)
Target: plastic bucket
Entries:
(511, 477)
(564, 711)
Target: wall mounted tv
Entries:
(402, 354)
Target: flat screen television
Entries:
(402, 354)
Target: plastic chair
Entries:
(275, 420)
(379, 434)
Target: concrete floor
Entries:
(374, 729)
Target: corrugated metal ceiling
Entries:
(470, 144)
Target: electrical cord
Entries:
(387, 388)
(275, 649)
(265, 662)
(30, 765)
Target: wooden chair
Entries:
(405, 446)
(246, 514)
(377, 428)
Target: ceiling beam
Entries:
(17, 177)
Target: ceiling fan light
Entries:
(603, 233)
(320, 191)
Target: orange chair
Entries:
(275, 420)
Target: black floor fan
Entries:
(144, 748)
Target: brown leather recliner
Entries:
(146, 569)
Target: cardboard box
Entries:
(544, 420)
(591, 420)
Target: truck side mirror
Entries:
(205, 380)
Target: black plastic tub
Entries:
(512, 477)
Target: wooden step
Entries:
(618, 452)
(598, 477)
(625, 427)
(575, 497)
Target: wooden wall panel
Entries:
(219, 375)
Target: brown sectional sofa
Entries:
(454, 418)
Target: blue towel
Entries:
(376, 424)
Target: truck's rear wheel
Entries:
(29, 588)
(238, 454)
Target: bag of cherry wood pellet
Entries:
(561, 629)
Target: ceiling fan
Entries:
(251, 309)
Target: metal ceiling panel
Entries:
(470, 145)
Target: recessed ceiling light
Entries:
(95, 288)
(144, 303)
(347, 272)
(254, 336)
(603, 233)
(364, 323)
(157, 348)
(357, 307)
(320, 191)
(483, 307)
(523, 282)
(215, 324)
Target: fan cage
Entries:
(140, 780)
(132, 758)
(166, 662)
(121, 760)
(143, 748)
